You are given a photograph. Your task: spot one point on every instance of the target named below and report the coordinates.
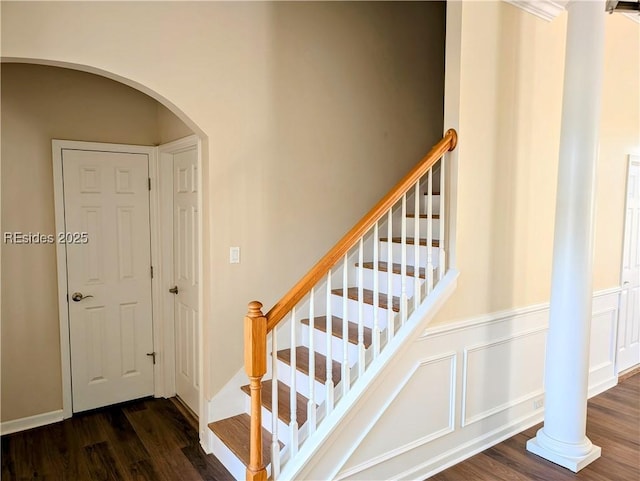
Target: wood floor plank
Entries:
(395, 268)
(410, 241)
(143, 470)
(144, 440)
(234, 432)
(302, 363)
(613, 423)
(102, 464)
(367, 295)
(128, 447)
(209, 468)
(284, 401)
(320, 323)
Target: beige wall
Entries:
(170, 127)
(308, 112)
(39, 104)
(511, 76)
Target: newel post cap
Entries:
(255, 309)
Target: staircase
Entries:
(342, 320)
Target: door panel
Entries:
(629, 324)
(106, 195)
(185, 245)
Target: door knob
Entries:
(78, 296)
(174, 290)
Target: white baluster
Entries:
(416, 246)
(275, 445)
(442, 261)
(376, 293)
(390, 314)
(346, 381)
(429, 270)
(311, 405)
(403, 266)
(329, 386)
(293, 423)
(361, 309)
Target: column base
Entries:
(572, 461)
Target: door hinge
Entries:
(151, 272)
(149, 179)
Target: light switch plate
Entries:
(234, 255)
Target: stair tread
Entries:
(395, 268)
(302, 364)
(352, 293)
(410, 241)
(320, 323)
(284, 401)
(424, 216)
(432, 193)
(235, 433)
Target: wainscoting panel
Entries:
(429, 392)
(493, 374)
(463, 387)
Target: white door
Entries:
(629, 324)
(106, 196)
(185, 267)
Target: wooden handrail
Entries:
(284, 305)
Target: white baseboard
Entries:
(457, 455)
(30, 422)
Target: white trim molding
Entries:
(498, 391)
(162, 200)
(544, 9)
(30, 422)
(635, 17)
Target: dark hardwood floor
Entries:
(151, 440)
(145, 440)
(613, 423)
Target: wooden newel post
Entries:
(255, 364)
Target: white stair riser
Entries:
(228, 459)
(337, 347)
(396, 253)
(435, 201)
(353, 309)
(267, 418)
(422, 228)
(369, 276)
(302, 382)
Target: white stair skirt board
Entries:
(573, 463)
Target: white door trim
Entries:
(61, 254)
(162, 196)
(632, 160)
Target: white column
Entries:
(563, 439)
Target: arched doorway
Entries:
(113, 128)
